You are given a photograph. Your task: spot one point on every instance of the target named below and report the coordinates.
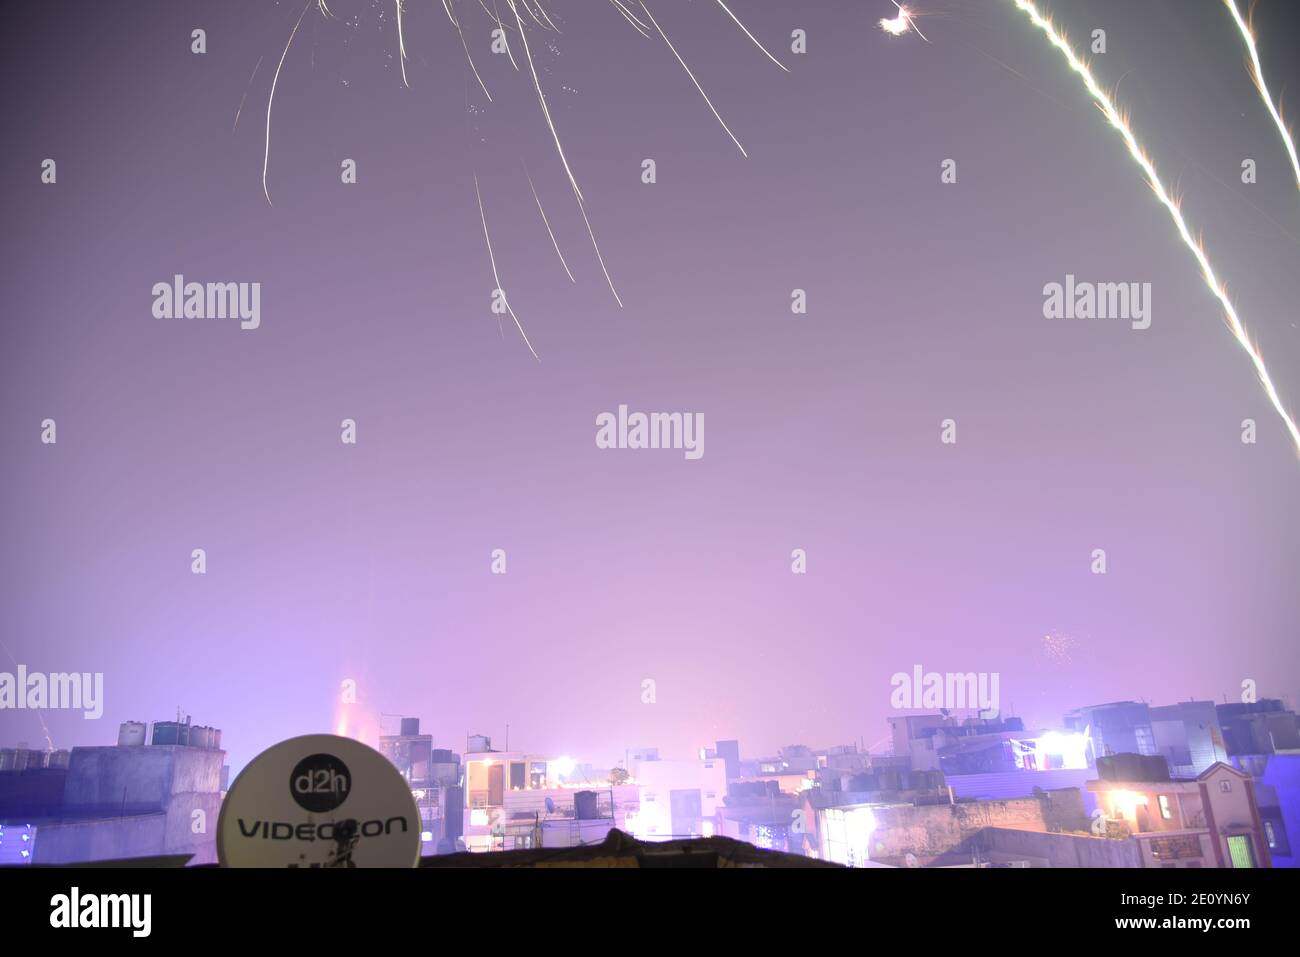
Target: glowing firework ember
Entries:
(900, 24)
(1257, 74)
(1120, 122)
(1058, 648)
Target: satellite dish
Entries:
(319, 801)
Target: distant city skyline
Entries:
(354, 470)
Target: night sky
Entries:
(372, 561)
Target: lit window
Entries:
(1164, 807)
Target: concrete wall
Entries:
(103, 839)
(932, 831)
(117, 781)
(943, 834)
(122, 802)
(1012, 784)
(31, 793)
(1057, 850)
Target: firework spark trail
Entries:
(1257, 74)
(545, 16)
(251, 77)
(573, 182)
(266, 155)
(401, 44)
(502, 27)
(1121, 125)
(49, 741)
(692, 76)
(547, 222)
(541, 98)
(751, 36)
(582, 208)
(637, 25)
(495, 277)
(536, 11)
(447, 6)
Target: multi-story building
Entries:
(678, 798)
(1260, 727)
(1277, 791)
(972, 744)
(1186, 734)
(1210, 821)
(125, 801)
(431, 772)
(729, 752)
(514, 799)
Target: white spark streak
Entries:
(401, 44)
(456, 24)
(637, 25)
(751, 36)
(1257, 74)
(1121, 125)
(716, 114)
(541, 98)
(496, 278)
(266, 155)
(502, 27)
(251, 77)
(547, 222)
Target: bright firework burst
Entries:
(1257, 74)
(897, 26)
(1120, 122)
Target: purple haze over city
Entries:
(372, 562)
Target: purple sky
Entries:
(371, 562)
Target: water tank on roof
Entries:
(216, 739)
(410, 727)
(584, 806)
(200, 737)
(171, 733)
(131, 734)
